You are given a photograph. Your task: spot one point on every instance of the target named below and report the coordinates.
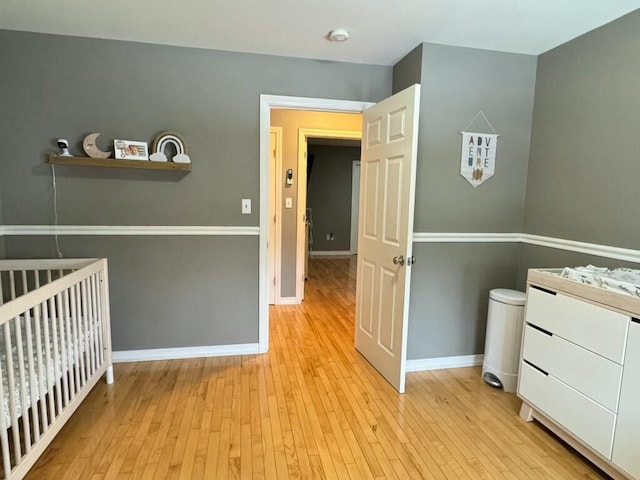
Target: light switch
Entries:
(288, 202)
(246, 206)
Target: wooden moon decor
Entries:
(91, 149)
(164, 139)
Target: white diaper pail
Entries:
(504, 335)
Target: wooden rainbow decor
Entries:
(160, 143)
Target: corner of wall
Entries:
(408, 71)
(523, 221)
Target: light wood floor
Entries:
(310, 408)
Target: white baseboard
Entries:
(327, 253)
(423, 364)
(288, 301)
(184, 352)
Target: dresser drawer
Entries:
(595, 328)
(590, 422)
(590, 374)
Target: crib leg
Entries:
(109, 375)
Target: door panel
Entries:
(369, 199)
(393, 206)
(365, 305)
(388, 167)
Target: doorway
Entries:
(267, 103)
(305, 136)
(389, 158)
(333, 196)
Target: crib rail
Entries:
(56, 343)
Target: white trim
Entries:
(267, 102)
(438, 237)
(423, 364)
(301, 247)
(594, 249)
(289, 301)
(327, 253)
(128, 230)
(184, 352)
(276, 248)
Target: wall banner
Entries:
(478, 158)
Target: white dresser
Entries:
(580, 369)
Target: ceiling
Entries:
(382, 31)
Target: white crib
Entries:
(55, 343)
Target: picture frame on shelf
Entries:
(131, 150)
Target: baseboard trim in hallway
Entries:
(423, 364)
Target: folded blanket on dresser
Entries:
(622, 280)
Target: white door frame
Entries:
(275, 230)
(303, 135)
(355, 201)
(267, 102)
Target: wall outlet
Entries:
(246, 206)
(330, 236)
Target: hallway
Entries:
(310, 408)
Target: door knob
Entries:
(398, 260)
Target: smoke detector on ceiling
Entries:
(338, 35)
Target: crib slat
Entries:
(49, 363)
(69, 349)
(63, 350)
(22, 387)
(95, 339)
(32, 377)
(56, 353)
(90, 341)
(90, 313)
(4, 432)
(13, 414)
(74, 338)
(80, 334)
(98, 316)
(94, 319)
(42, 375)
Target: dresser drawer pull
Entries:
(542, 330)
(635, 320)
(550, 292)
(546, 374)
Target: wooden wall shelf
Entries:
(115, 163)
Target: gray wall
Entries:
(329, 195)
(456, 84)
(408, 71)
(204, 289)
(170, 291)
(584, 165)
(449, 295)
(450, 283)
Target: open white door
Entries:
(387, 193)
